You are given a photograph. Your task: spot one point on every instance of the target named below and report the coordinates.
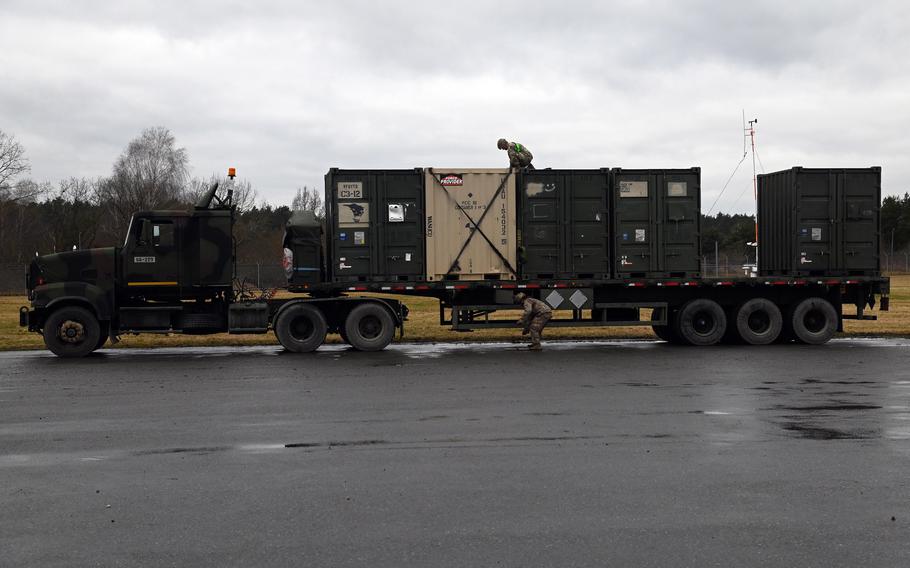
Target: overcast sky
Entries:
(285, 90)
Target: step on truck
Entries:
(602, 247)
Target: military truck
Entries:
(607, 247)
(175, 274)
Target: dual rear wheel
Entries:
(302, 328)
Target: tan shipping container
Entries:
(448, 227)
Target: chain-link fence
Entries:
(12, 279)
(262, 275)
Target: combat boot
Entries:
(535, 347)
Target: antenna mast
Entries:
(750, 132)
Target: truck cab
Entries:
(174, 272)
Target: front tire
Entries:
(301, 328)
(369, 327)
(71, 332)
(814, 321)
(701, 322)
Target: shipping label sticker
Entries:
(350, 190)
(633, 188)
(353, 214)
(451, 180)
(359, 237)
(677, 189)
(407, 257)
(396, 213)
(816, 233)
(639, 235)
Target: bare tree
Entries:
(150, 174)
(12, 159)
(308, 200)
(13, 218)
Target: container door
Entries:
(860, 197)
(586, 255)
(541, 196)
(400, 217)
(634, 211)
(352, 240)
(679, 197)
(816, 213)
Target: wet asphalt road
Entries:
(588, 454)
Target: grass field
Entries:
(423, 325)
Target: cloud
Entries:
(285, 90)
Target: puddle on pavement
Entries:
(820, 433)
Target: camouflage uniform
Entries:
(535, 318)
(519, 156)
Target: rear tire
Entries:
(301, 328)
(814, 321)
(701, 322)
(369, 327)
(71, 332)
(759, 322)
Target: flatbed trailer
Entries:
(695, 311)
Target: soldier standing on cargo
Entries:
(535, 318)
(519, 156)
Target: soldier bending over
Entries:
(535, 318)
(519, 156)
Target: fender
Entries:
(343, 305)
(49, 295)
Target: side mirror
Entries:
(145, 233)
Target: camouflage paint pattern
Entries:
(519, 155)
(87, 276)
(197, 263)
(536, 316)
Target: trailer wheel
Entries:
(71, 332)
(301, 328)
(701, 322)
(759, 322)
(665, 332)
(369, 327)
(814, 321)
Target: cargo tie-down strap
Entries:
(475, 225)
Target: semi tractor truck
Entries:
(607, 247)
